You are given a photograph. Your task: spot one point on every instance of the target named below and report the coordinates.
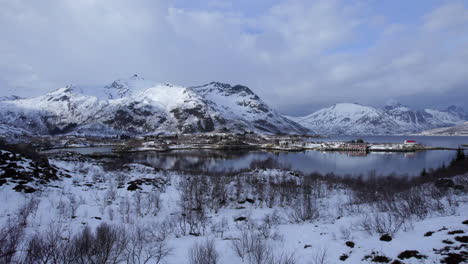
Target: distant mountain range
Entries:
(135, 106)
(459, 130)
(395, 118)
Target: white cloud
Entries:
(297, 51)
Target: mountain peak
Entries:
(220, 85)
(124, 87)
(348, 106)
(393, 104)
(10, 98)
(458, 111)
(227, 89)
(136, 106)
(394, 118)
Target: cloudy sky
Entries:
(298, 55)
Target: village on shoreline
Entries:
(225, 141)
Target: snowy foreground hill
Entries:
(137, 106)
(356, 119)
(75, 209)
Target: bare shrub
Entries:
(105, 245)
(320, 256)
(304, 210)
(285, 258)
(111, 194)
(49, 247)
(220, 227)
(138, 203)
(121, 179)
(407, 204)
(253, 248)
(383, 223)
(26, 210)
(10, 239)
(73, 205)
(153, 203)
(259, 251)
(345, 233)
(267, 229)
(241, 245)
(125, 210)
(147, 244)
(204, 253)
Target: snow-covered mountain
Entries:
(347, 118)
(138, 106)
(459, 130)
(394, 118)
(9, 98)
(457, 111)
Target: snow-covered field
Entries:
(269, 216)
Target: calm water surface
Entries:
(307, 161)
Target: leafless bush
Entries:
(121, 179)
(152, 203)
(49, 247)
(267, 229)
(147, 244)
(97, 176)
(383, 223)
(241, 245)
(125, 210)
(110, 213)
(204, 253)
(105, 245)
(10, 238)
(138, 203)
(253, 248)
(273, 219)
(191, 219)
(219, 228)
(259, 251)
(285, 258)
(111, 193)
(26, 210)
(304, 210)
(345, 233)
(320, 256)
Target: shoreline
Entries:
(116, 150)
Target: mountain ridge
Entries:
(394, 118)
(136, 106)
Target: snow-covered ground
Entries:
(263, 204)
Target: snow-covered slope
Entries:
(350, 119)
(457, 111)
(460, 130)
(138, 106)
(10, 98)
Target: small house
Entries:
(410, 142)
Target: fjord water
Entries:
(339, 163)
(307, 161)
